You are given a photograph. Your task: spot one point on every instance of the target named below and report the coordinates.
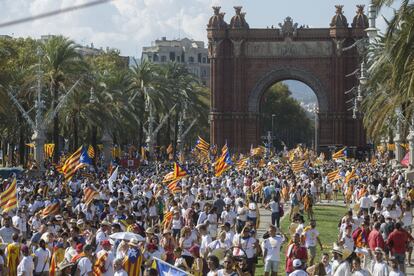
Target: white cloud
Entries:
(124, 24)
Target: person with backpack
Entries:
(42, 259)
(82, 262)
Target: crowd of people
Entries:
(208, 225)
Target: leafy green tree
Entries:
(291, 123)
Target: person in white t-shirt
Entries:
(26, 265)
(85, 264)
(297, 264)
(271, 251)
(311, 238)
(42, 259)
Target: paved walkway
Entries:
(265, 220)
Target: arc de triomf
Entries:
(245, 62)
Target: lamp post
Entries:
(410, 139)
(316, 144)
(273, 129)
(39, 136)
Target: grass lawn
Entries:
(327, 218)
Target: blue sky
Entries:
(131, 24)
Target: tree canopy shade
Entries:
(110, 96)
(291, 124)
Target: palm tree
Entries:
(391, 70)
(62, 64)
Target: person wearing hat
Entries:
(104, 259)
(298, 268)
(342, 260)
(133, 259)
(379, 266)
(64, 268)
(102, 234)
(26, 265)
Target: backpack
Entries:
(74, 270)
(281, 211)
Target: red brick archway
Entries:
(245, 62)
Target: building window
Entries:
(203, 72)
(178, 58)
(149, 58)
(199, 58)
(204, 60)
(191, 59)
(172, 56)
(156, 57)
(208, 61)
(163, 59)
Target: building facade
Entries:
(192, 53)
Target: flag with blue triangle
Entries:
(165, 269)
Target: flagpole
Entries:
(161, 261)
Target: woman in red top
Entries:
(295, 251)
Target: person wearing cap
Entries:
(298, 268)
(102, 234)
(104, 259)
(26, 265)
(85, 261)
(379, 267)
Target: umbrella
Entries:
(126, 236)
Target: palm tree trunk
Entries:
(4, 151)
(175, 132)
(94, 135)
(75, 131)
(55, 90)
(21, 146)
(168, 132)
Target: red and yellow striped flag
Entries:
(50, 210)
(350, 176)
(71, 164)
(297, 166)
(333, 175)
(167, 219)
(91, 152)
(89, 195)
(8, 198)
(99, 266)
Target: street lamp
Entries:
(273, 128)
(372, 31)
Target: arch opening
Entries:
(288, 113)
(314, 88)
